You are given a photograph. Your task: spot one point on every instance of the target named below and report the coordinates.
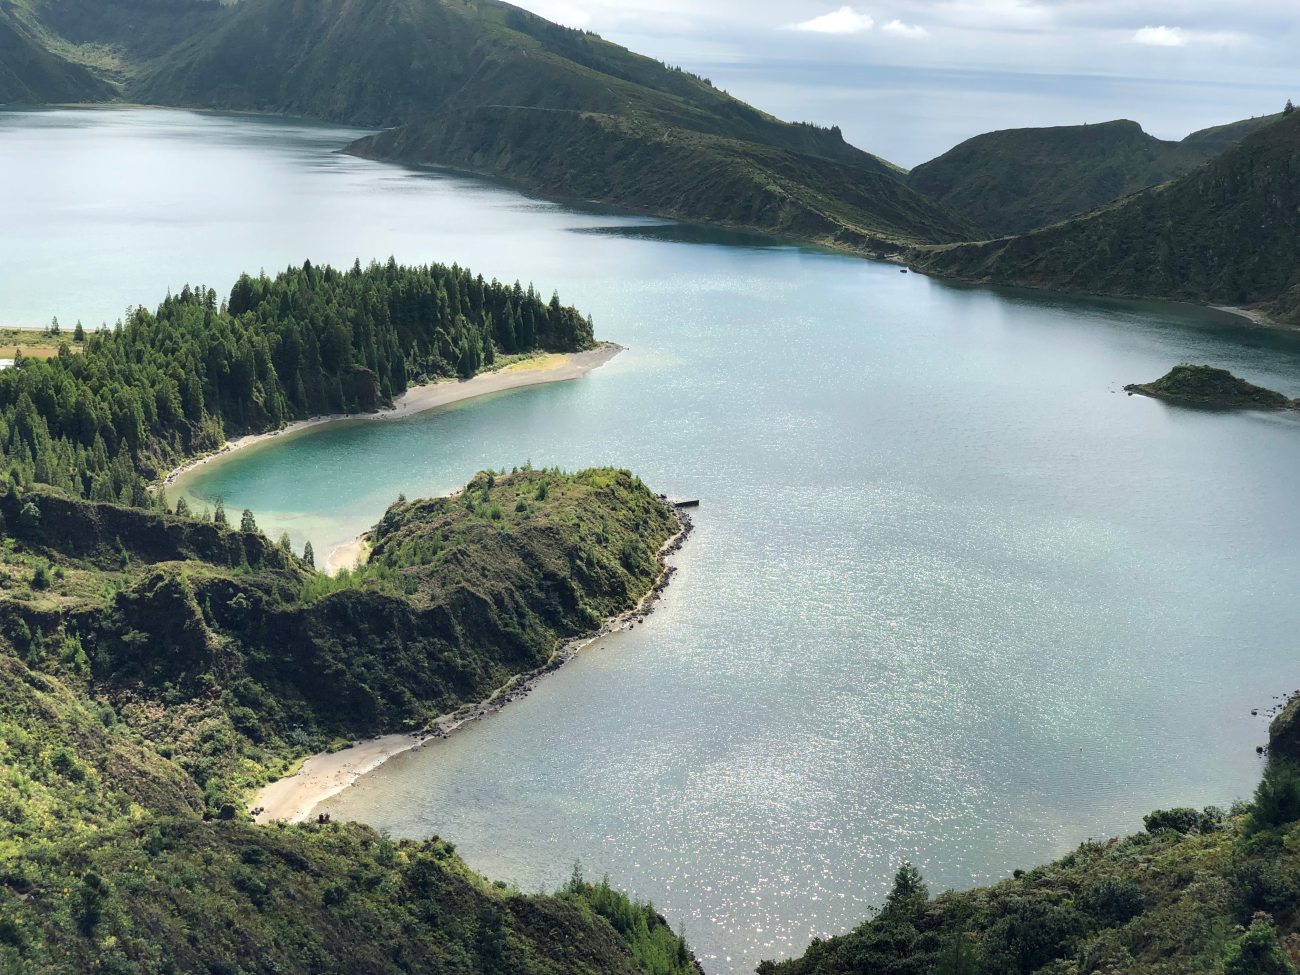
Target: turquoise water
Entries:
(953, 596)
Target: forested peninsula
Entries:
(157, 666)
(115, 409)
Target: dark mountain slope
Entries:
(382, 62)
(31, 74)
(1018, 180)
(450, 68)
(1228, 232)
(674, 172)
(457, 74)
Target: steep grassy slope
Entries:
(1199, 891)
(383, 62)
(459, 71)
(1018, 180)
(152, 668)
(1228, 232)
(675, 172)
(31, 74)
(222, 647)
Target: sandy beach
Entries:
(1250, 314)
(347, 556)
(323, 776)
(551, 368)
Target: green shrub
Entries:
(1257, 952)
(1114, 901)
(1277, 798)
(1180, 820)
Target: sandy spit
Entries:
(294, 798)
(1250, 314)
(529, 372)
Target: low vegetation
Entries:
(154, 668)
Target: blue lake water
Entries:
(953, 596)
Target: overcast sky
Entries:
(907, 79)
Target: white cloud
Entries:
(1162, 36)
(1178, 37)
(900, 29)
(846, 20)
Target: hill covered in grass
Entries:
(155, 668)
(1198, 891)
(31, 74)
(1226, 233)
(486, 86)
(1018, 180)
(1210, 388)
(639, 163)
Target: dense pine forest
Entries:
(116, 408)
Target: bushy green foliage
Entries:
(1257, 952)
(173, 383)
(655, 948)
(1277, 799)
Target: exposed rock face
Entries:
(1284, 732)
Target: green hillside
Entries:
(154, 668)
(1200, 891)
(1018, 180)
(642, 165)
(31, 74)
(1228, 232)
(450, 69)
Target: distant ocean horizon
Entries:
(909, 115)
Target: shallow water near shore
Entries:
(952, 596)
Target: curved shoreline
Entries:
(326, 774)
(536, 371)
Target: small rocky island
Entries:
(1210, 388)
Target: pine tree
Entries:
(219, 515)
(246, 522)
(182, 508)
(309, 555)
(79, 333)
